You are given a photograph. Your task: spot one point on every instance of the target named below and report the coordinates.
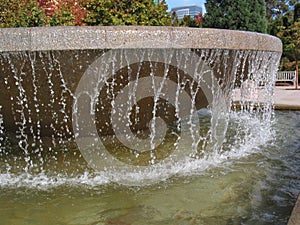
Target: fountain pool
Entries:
(259, 188)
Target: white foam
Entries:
(258, 136)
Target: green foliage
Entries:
(290, 37)
(68, 13)
(249, 15)
(297, 11)
(277, 8)
(32, 18)
(28, 13)
(288, 30)
(8, 12)
(24, 13)
(188, 21)
(125, 12)
(174, 19)
(98, 13)
(63, 18)
(292, 46)
(275, 26)
(278, 23)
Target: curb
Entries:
(295, 216)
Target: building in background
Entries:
(187, 10)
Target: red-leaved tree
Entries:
(66, 11)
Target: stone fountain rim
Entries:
(117, 37)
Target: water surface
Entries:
(249, 182)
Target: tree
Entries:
(67, 13)
(174, 19)
(249, 15)
(21, 13)
(32, 13)
(125, 12)
(29, 13)
(199, 19)
(188, 21)
(287, 28)
(63, 12)
(290, 37)
(277, 8)
(297, 11)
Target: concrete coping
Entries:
(114, 37)
(295, 216)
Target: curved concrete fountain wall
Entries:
(33, 103)
(75, 38)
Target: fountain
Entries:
(128, 98)
(108, 124)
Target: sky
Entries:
(174, 3)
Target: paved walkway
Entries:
(295, 217)
(287, 98)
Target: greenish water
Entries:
(252, 181)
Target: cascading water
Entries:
(134, 112)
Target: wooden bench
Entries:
(286, 76)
